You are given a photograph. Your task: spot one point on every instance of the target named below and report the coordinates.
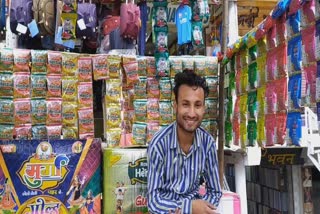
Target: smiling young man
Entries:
(182, 152)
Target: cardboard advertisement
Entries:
(56, 176)
(125, 181)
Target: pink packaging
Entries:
(281, 33)
(281, 87)
(308, 44)
(270, 129)
(281, 124)
(229, 203)
(271, 98)
(310, 73)
(308, 13)
(271, 64)
(281, 61)
(271, 38)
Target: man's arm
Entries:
(157, 203)
(213, 193)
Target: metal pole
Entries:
(225, 27)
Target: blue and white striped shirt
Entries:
(174, 178)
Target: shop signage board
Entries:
(281, 156)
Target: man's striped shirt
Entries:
(174, 178)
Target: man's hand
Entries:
(203, 207)
(177, 211)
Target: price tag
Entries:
(21, 28)
(81, 24)
(33, 27)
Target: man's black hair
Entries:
(190, 78)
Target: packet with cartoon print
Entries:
(6, 111)
(39, 111)
(166, 112)
(85, 69)
(175, 65)
(113, 90)
(85, 95)
(153, 88)
(22, 132)
(69, 114)
(139, 133)
(21, 85)
(21, 60)
(6, 84)
(69, 89)
(69, 64)
(68, 21)
(39, 61)
(153, 113)
(113, 115)
(86, 121)
(152, 128)
(6, 59)
(39, 132)
(70, 132)
(54, 83)
(165, 88)
(54, 132)
(140, 88)
(100, 67)
(54, 111)
(54, 65)
(114, 65)
(22, 111)
(162, 64)
(38, 86)
(113, 137)
(140, 110)
(252, 133)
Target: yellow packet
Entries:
(113, 115)
(70, 132)
(68, 21)
(69, 114)
(113, 90)
(114, 64)
(69, 89)
(6, 59)
(69, 64)
(261, 138)
(100, 67)
(139, 133)
(113, 137)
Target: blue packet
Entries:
(294, 125)
(280, 8)
(295, 54)
(294, 21)
(294, 91)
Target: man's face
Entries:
(190, 108)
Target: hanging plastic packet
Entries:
(228, 133)
(39, 61)
(270, 121)
(69, 114)
(142, 66)
(114, 64)
(54, 65)
(244, 58)
(281, 33)
(294, 127)
(113, 90)
(281, 124)
(310, 73)
(271, 98)
(175, 65)
(21, 60)
(294, 6)
(69, 89)
(197, 38)
(140, 110)
(69, 64)
(236, 132)
(294, 91)
(261, 70)
(252, 133)
(252, 54)
(308, 44)
(187, 63)
(85, 69)
(54, 132)
(113, 137)
(244, 135)
(139, 133)
(6, 59)
(244, 80)
(22, 132)
(6, 84)
(100, 67)
(39, 132)
(212, 83)
(293, 24)
(131, 69)
(38, 86)
(165, 88)
(54, 84)
(262, 47)
(211, 66)
(85, 95)
(70, 133)
(162, 64)
(6, 111)
(200, 66)
(281, 88)
(317, 10)
(261, 135)
(69, 6)
(140, 88)
(113, 115)
(161, 39)
(211, 108)
(282, 61)
(308, 13)
(272, 64)
(280, 8)
(153, 113)
(54, 111)
(151, 66)
(252, 105)
(243, 107)
(160, 14)
(39, 111)
(166, 112)
(261, 102)
(238, 82)
(21, 85)
(86, 121)
(22, 111)
(68, 21)
(253, 75)
(271, 38)
(153, 88)
(152, 128)
(294, 63)
(232, 84)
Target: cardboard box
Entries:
(125, 180)
(56, 176)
